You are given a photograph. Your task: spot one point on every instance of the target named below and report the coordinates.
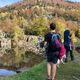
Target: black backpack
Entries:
(55, 42)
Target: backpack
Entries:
(55, 42)
(62, 52)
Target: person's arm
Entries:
(45, 41)
(45, 44)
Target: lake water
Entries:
(5, 72)
(16, 58)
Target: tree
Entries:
(17, 34)
(40, 26)
(60, 26)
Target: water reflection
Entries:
(18, 57)
(11, 56)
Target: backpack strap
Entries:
(56, 34)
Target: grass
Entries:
(36, 73)
(68, 71)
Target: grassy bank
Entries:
(69, 71)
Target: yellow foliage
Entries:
(18, 33)
(18, 54)
(61, 25)
(72, 26)
(4, 14)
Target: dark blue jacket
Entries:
(66, 38)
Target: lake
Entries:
(5, 72)
(17, 58)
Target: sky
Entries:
(8, 2)
(75, 0)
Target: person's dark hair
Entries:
(52, 26)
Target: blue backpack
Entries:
(55, 42)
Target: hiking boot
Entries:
(53, 79)
(66, 60)
(48, 79)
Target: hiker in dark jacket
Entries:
(68, 43)
(52, 53)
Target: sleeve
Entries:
(45, 38)
(48, 37)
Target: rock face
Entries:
(26, 53)
(32, 44)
